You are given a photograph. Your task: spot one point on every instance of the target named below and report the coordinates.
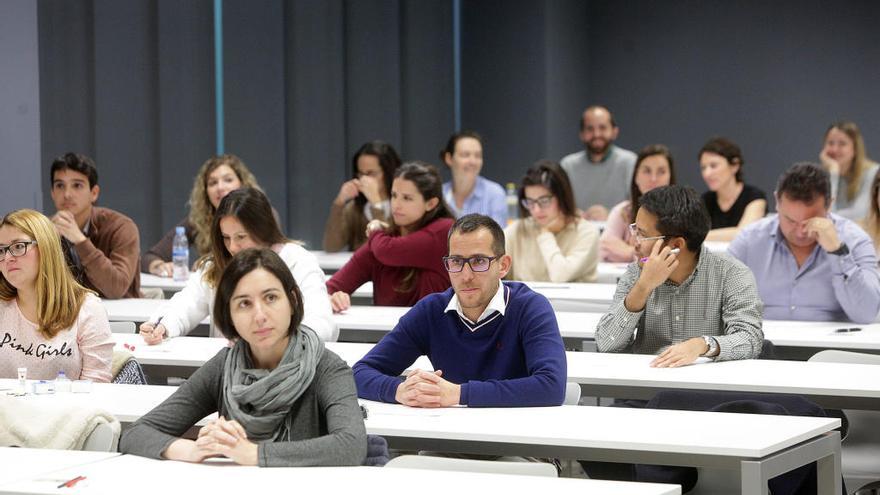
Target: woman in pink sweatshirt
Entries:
(48, 322)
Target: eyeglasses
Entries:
(542, 202)
(455, 264)
(640, 238)
(16, 249)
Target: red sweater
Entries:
(386, 259)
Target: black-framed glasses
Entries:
(16, 249)
(455, 264)
(542, 202)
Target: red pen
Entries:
(70, 483)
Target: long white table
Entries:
(27, 464)
(116, 474)
(758, 446)
(834, 385)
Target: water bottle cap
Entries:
(179, 230)
(61, 374)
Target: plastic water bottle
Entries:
(180, 255)
(512, 203)
(62, 383)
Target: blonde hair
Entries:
(871, 223)
(201, 211)
(860, 163)
(59, 296)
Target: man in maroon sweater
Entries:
(105, 243)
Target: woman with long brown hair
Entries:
(403, 258)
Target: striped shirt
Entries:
(719, 299)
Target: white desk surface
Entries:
(822, 334)
(26, 464)
(136, 310)
(683, 432)
(164, 283)
(115, 475)
(812, 379)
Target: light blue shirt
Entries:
(487, 198)
(825, 288)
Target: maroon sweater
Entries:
(386, 259)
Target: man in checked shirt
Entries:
(681, 301)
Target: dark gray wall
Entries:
(19, 107)
(307, 81)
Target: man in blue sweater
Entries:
(492, 344)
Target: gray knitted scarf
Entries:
(261, 399)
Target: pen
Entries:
(671, 251)
(70, 483)
(155, 325)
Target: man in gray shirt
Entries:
(681, 300)
(600, 175)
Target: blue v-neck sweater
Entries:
(517, 359)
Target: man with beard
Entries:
(600, 175)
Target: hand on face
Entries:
(370, 187)
(830, 164)
(347, 192)
(65, 224)
(427, 389)
(822, 230)
(680, 354)
(659, 266)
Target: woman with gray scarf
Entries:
(283, 399)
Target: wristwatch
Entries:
(842, 250)
(712, 343)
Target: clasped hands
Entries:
(219, 438)
(427, 389)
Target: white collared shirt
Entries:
(498, 304)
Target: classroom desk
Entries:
(136, 310)
(629, 376)
(26, 464)
(167, 284)
(833, 385)
(758, 446)
(115, 475)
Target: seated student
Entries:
(403, 260)
(105, 242)
(216, 178)
(732, 203)
(871, 222)
(686, 305)
(468, 191)
(654, 168)
(48, 322)
(492, 344)
(810, 264)
(283, 399)
(550, 242)
(844, 157)
(243, 220)
(363, 198)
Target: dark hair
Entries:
(805, 181)
(728, 149)
(427, 180)
(243, 263)
(77, 163)
(634, 193)
(553, 177)
(680, 213)
(250, 207)
(454, 139)
(474, 221)
(389, 161)
(597, 107)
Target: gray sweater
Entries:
(328, 424)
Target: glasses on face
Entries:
(542, 202)
(640, 238)
(455, 264)
(16, 249)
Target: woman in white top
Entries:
(843, 156)
(243, 220)
(551, 242)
